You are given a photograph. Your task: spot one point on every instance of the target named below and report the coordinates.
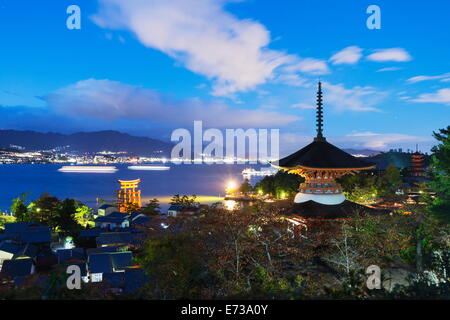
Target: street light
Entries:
(231, 186)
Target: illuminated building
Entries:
(417, 164)
(128, 194)
(321, 163)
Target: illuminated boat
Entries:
(263, 172)
(148, 167)
(88, 169)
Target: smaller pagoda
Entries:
(321, 163)
(128, 194)
(417, 163)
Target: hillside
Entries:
(90, 142)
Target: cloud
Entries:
(111, 100)
(441, 96)
(389, 69)
(349, 55)
(303, 106)
(202, 36)
(291, 142)
(307, 65)
(355, 99)
(381, 140)
(444, 78)
(392, 54)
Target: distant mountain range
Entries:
(84, 142)
(108, 140)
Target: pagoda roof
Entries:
(346, 209)
(321, 154)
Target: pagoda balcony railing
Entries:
(321, 190)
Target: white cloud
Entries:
(202, 36)
(391, 54)
(420, 78)
(389, 69)
(292, 79)
(441, 96)
(303, 106)
(291, 142)
(307, 65)
(355, 99)
(110, 100)
(349, 55)
(381, 140)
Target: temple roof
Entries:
(346, 209)
(321, 154)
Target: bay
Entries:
(207, 181)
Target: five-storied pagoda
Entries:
(320, 163)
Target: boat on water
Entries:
(88, 169)
(148, 167)
(248, 172)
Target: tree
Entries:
(246, 187)
(84, 215)
(184, 201)
(19, 209)
(65, 218)
(440, 174)
(281, 182)
(44, 210)
(151, 208)
(390, 181)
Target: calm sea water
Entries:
(203, 180)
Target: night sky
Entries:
(148, 67)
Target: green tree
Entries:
(184, 201)
(440, 174)
(246, 187)
(65, 218)
(44, 210)
(19, 208)
(84, 215)
(390, 181)
(152, 208)
(281, 182)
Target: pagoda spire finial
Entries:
(319, 114)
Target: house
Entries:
(91, 233)
(106, 249)
(70, 254)
(11, 250)
(17, 227)
(127, 282)
(101, 263)
(8, 251)
(27, 232)
(113, 221)
(118, 239)
(18, 268)
(174, 210)
(178, 210)
(138, 219)
(106, 209)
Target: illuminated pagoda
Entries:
(128, 194)
(417, 163)
(320, 163)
